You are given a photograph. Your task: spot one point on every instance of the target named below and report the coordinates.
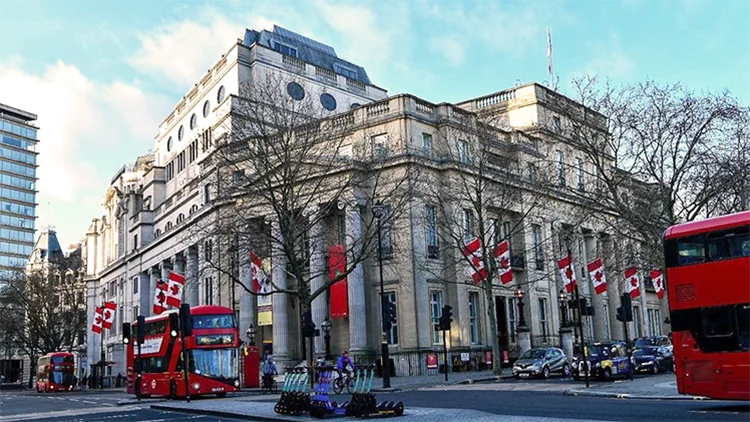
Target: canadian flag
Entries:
(658, 282)
(160, 297)
(631, 282)
(257, 273)
(566, 272)
(502, 257)
(109, 315)
(98, 320)
(473, 252)
(596, 271)
(174, 290)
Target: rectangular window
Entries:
(556, 124)
(580, 175)
(543, 323)
(136, 284)
(285, 49)
(135, 241)
(536, 232)
(238, 177)
(637, 332)
(208, 296)
(380, 146)
(433, 248)
(342, 229)
(467, 217)
(436, 310)
(341, 70)
(474, 318)
(560, 168)
(532, 173)
(597, 180)
(427, 144)
(463, 152)
(512, 319)
(392, 334)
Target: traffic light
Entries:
(627, 306)
(125, 332)
(141, 334)
(620, 314)
(586, 310)
(389, 314)
(174, 324)
(308, 326)
(186, 321)
(446, 319)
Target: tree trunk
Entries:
(496, 359)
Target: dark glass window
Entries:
(169, 144)
(691, 250)
(221, 94)
(355, 105)
(742, 316)
(328, 102)
(213, 321)
(193, 121)
(206, 108)
(295, 91)
(728, 244)
(180, 132)
(717, 322)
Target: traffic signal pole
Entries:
(584, 350)
(625, 313)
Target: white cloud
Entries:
(87, 131)
(608, 59)
(451, 50)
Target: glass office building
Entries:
(18, 139)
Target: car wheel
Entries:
(566, 370)
(655, 370)
(606, 374)
(545, 372)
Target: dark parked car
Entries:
(541, 363)
(653, 359)
(606, 359)
(655, 341)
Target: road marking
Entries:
(89, 402)
(70, 413)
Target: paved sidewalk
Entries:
(658, 387)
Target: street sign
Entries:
(464, 357)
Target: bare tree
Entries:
(43, 309)
(484, 188)
(655, 163)
(281, 171)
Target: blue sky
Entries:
(101, 75)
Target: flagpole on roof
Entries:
(550, 68)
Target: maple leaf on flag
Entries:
(634, 282)
(598, 276)
(161, 296)
(504, 263)
(98, 320)
(569, 273)
(175, 289)
(107, 314)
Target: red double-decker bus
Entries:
(708, 280)
(212, 350)
(55, 372)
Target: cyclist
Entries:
(344, 363)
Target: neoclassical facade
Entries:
(153, 206)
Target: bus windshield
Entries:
(213, 321)
(214, 363)
(62, 359)
(62, 377)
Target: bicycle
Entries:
(269, 384)
(343, 381)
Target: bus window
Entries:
(742, 316)
(717, 322)
(729, 244)
(691, 250)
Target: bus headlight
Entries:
(237, 383)
(196, 386)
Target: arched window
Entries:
(193, 209)
(157, 233)
(169, 226)
(180, 218)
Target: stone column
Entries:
(191, 276)
(566, 337)
(590, 245)
(614, 277)
(357, 310)
(280, 300)
(144, 294)
(166, 267)
(317, 271)
(247, 299)
(524, 338)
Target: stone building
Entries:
(153, 206)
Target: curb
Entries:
(130, 402)
(493, 378)
(218, 413)
(585, 393)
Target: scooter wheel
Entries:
(399, 410)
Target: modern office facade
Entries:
(18, 143)
(145, 230)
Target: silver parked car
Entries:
(541, 363)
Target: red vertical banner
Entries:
(340, 290)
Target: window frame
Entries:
(392, 334)
(436, 311)
(475, 333)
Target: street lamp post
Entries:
(379, 211)
(250, 333)
(519, 295)
(326, 326)
(562, 297)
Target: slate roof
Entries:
(308, 50)
(46, 245)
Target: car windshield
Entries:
(597, 350)
(643, 342)
(214, 363)
(646, 351)
(534, 354)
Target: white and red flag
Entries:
(109, 315)
(658, 281)
(632, 285)
(502, 257)
(160, 297)
(257, 273)
(174, 290)
(596, 271)
(473, 251)
(566, 272)
(98, 319)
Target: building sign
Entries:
(464, 357)
(265, 302)
(432, 361)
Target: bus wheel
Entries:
(222, 394)
(173, 390)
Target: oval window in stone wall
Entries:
(169, 144)
(193, 121)
(206, 108)
(180, 132)
(220, 95)
(295, 91)
(354, 105)
(328, 102)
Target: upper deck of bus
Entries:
(709, 224)
(195, 310)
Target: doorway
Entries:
(502, 322)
